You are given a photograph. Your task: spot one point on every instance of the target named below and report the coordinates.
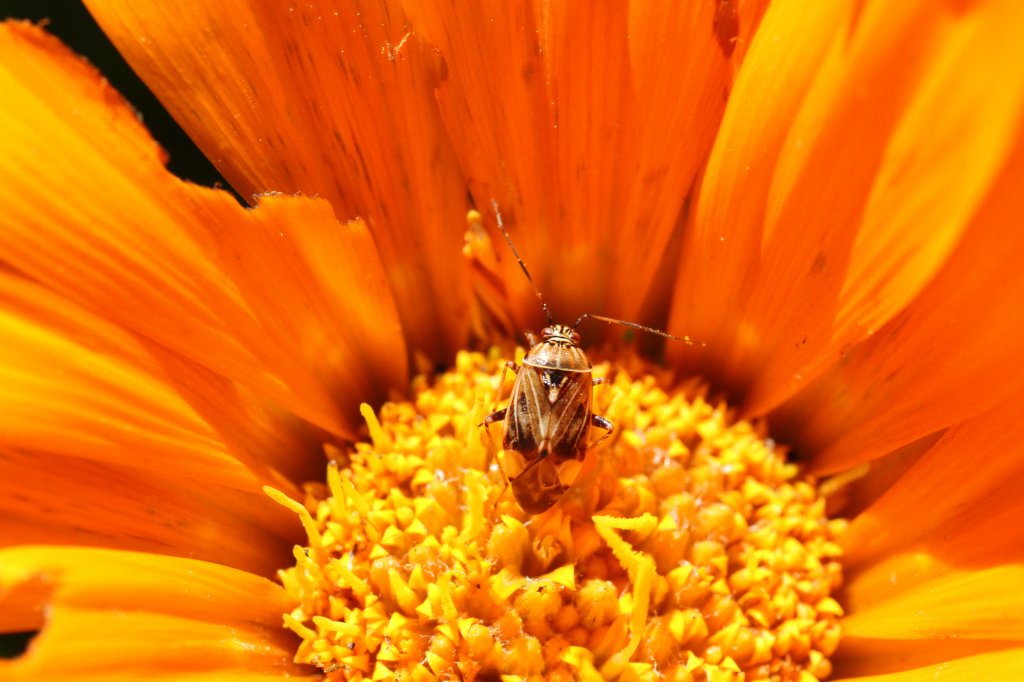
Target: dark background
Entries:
(69, 20)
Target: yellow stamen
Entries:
(377, 434)
(312, 532)
(688, 549)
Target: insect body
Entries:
(548, 417)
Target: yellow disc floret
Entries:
(686, 550)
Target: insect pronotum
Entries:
(548, 416)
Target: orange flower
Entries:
(825, 194)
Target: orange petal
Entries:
(859, 173)
(854, 490)
(92, 213)
(335, 102)
(749, 14)
(493, 102)
(101, 423)
(586, 122)
(317, 288)
(723, 242)
(994, 665)
(271, 441)
(93, 433)
(957, 477)
(74, 384)
(878, 210)
(112, 614)
(949, 356)
(984, 535)
(91, 578)
(968, 604)
(53, 498)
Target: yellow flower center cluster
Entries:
(687, 550)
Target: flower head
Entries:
(686, 550)
(824, 196)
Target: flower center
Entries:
(687, 548)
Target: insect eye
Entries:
(575, 338)
(548, 332)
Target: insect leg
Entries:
(504, 478)
(601, 423)
(510, 365)
(498, 415)
(599, 380)
(529, 466)
(495, 416)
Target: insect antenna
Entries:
(501, 226)
(650, 330)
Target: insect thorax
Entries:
(563, 357)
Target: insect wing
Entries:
(548, 413)
(543, 482)
(546, 429)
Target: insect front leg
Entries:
(498, 415)
(510, 365)
(601, 423)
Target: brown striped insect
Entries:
(548, 416)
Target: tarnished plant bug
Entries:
(548, 416)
